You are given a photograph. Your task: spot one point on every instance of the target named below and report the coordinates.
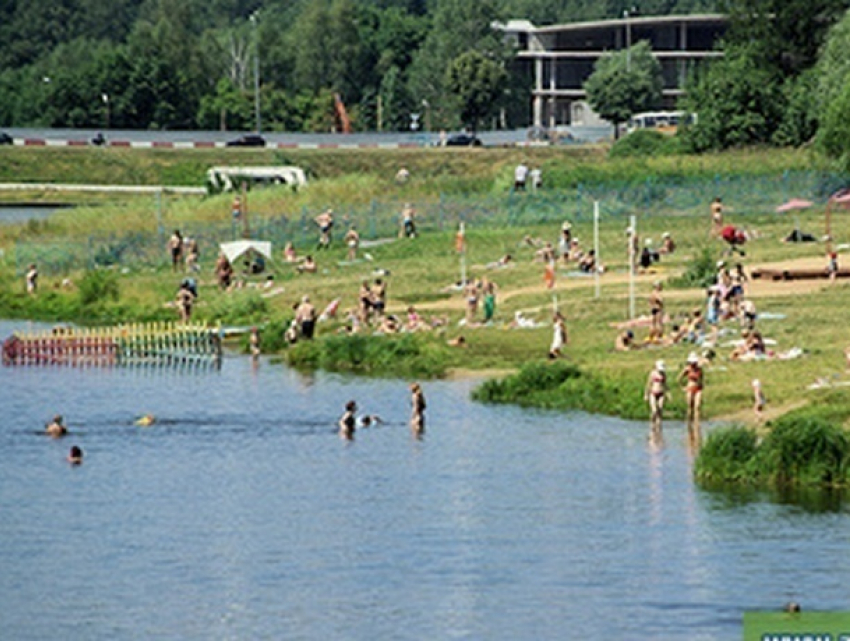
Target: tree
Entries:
(737, 103)
(478, 83)
(625, 83)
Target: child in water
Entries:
(348, 421)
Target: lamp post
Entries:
(256, 72)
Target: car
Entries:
(6, 139)
(463, 140)
(248, 140)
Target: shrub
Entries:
(645, 142)
(726, 454)
(98, 286)
(700, 272)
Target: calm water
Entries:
(241, 515)
(22, 213)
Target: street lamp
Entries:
(253, 19)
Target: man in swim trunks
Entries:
(348, 421)
(305, 317)
(417, 407)
(656, 312)
(56, 428)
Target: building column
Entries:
(537, 114)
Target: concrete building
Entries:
(560, 58)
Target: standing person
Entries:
(471, 293)
(656, 312)
(175, 249)
(489, 300)
(254, 341)
(417, 409)
(325, 221)
(192, 255)
(408, 223)
(759, 399)
(32, 279)
(364, 302)
(223, 271)
(348, 421)
(236, 209)
(520, 176)
(716, 216)
(536, 178)
(379, 297)
(305, 317)
(655, 393)
(352, 240)
(832, 266)
(549, 274)
(185, 300)
(559, 335)
(632, 248)
(693, 378)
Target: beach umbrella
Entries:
(794, 204)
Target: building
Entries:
(560, 58)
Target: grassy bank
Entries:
(809, 316)
(806, 447)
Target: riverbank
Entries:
(421, 272)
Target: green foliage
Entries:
(800, 117)
(478, 83)
(564, 386)
(625, 83)
(98, 286)
(700, 272)
(405, 356)
(738, 103)
(803, 448)
(645, 142)
(241, 307)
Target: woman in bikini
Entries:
(654, 394)
(693, 378)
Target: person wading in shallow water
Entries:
(693, 378)
(417, 409)
(654, 394)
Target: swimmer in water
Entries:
(368, 420)
(146, 421)
(75, 456)
(347, 421)
(57, 428)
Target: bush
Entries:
(726, 454)
(98, 286)
(700, 272)
(405, 356)
(643, 143)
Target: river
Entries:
(240, 514)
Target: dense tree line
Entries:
(184, 64)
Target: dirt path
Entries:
(758, 288)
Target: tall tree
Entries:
(624, 83)
(478, 83)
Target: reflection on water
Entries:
(813, 500)
(241, 514)
(21, 213)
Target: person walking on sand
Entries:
(348, 421)
(693, 378)
(559, 335)
(655, 394)
(417, 409)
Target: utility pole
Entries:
(256, 72)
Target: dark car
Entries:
(463, 140)
(6, 139)
(248, 140)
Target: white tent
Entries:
(233, 250)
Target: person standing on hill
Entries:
(175, 249)
(305, 317)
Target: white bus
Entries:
(664, 121)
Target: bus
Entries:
(666, 122)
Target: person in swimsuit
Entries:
(305, 317)
(175, 248)
(693, 378)
(56, 429)
(759, 399)
(655, 393)
(471, 292)
(325, 222)
(348, 421)
(32, 278)
(656, 311)
(364, 302)
(379, 295)
(716, 216)
(75, 456)
(352, 241)
(417, 409)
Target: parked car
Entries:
(6, 139)
(463, 140)
(248, 140)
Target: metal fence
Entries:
(382, 219)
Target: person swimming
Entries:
(145, 421)
(75, 456)
(56, 428)
(348, 421)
